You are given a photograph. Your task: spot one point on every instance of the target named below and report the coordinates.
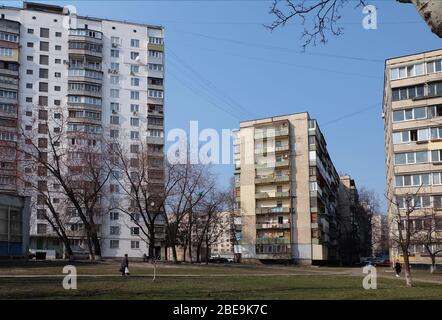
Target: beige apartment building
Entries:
(286, 191)
(412, 113)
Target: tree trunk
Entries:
(433, 264)
(184, 251)
(175, 257)
(407, 271)
(430, 10)
(97, 246)
(198, 252)
(68, 254)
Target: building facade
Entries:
(105, 78)
(286, 191)
(412, 111)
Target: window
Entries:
(42, 101)
(6, 52)
(115, 53)
(135, 231)
(135, 82)
(57, 74)
(29, 71)
(115, 40)
(134, 148)
(410, 114)
(57, 61)
(135, 43)
(30, 58)
(134, 135)
(115, 120)
(43, 87)
(114, 215)
(114, 133)
(29, 86)
(134, 69)
(41, 228)
(155, 81)
(44, 32)
(134, 55)
(155, 121)
(115, 106)
(135, 244)
(135, 95)
(114, 230)
(435, 88)
(43, 73)
(58, 34)
(114, 244)
(155, 67)
(114, 93)
(434, 66)
(114, 66)
(155, 40)
(155, 93)
(134, 108)
(58, 48)
(44, 46)
(405, 93)
(135, 122)
(30, 31)
(155, 54)
(114, 79)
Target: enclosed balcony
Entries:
(272, 225)
(271, 179)
(269, 210)
(268, 195)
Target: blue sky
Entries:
(223, 67)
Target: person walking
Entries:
(398, 269)
(125, 266)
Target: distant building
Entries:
(380, 245)
(354, 223)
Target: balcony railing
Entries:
(268, 240)
(272, 133)
(271, 179)
(261, 226)
(266, 195)
(272, 210)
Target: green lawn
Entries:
(232, 282)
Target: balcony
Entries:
(272, 133)
(155, 140)
(155, 47)
(266, 195)
(268, 240)
(269, 210)
(281, 148)
(266, 226)
(271, 179)
(276, 164)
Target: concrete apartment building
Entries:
(286, 191)
(106, 77)
(354, 223)
(412, 113)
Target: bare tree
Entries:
(321, 18)
(401, 228)
(140, 177)
(72, 158)
(324, 17)
(208, 226)
(426, 234)
(189, 184)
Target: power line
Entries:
(211, 87)
(281, 49)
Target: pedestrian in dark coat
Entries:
(125, 266)
(397, 268)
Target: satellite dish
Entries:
(137, 59)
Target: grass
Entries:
(232, 282)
